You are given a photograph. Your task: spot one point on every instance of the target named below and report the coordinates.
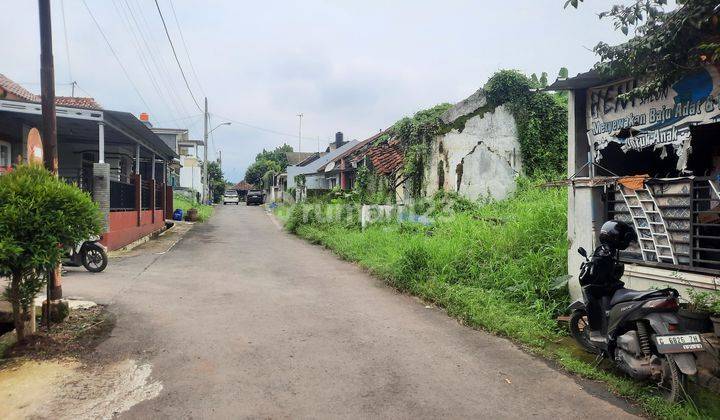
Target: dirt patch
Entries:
(52, 374)
(79, 334)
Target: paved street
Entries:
(240, 319)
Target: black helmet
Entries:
(617, 235)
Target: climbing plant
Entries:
(541, 120)
(415, 136)
(669, 42)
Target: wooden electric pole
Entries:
(49, 121)
(47, 87)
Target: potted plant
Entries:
(715, 312)
(695, 315)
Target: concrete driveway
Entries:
(240, 319)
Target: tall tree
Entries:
(667, 43)
(275, 161)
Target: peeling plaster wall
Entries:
(483, 159)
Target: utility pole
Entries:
(300, 132)
(205, 159)
(49, 121)
(47, 82)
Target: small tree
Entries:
(38, 214)
(217, 181)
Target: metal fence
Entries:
(146, 193)
(159, 196)
(677, 221)
(122, 196)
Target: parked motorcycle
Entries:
(638, 330)
(90, 254)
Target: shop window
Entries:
(658, 163)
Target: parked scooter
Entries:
(638, 330)
(90, 254)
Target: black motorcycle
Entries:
(638, 330)
(90, 254)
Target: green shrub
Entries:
(38, 214)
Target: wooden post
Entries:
(49, 120)
(152, 200)
(138, 196)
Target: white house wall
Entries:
(482, 160)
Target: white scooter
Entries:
(90, 254)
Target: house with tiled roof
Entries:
(111, 155)
(13, 91)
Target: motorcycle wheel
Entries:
(94, 258)
(579, 328)
(673, 383)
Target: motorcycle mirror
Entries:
(582, 252)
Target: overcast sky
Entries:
(351, 66)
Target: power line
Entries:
(187, 51)
(67, 44)
(112, 50)
(169, 105)
(156, 56)
(162, 18)
(267, 130)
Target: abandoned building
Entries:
(480, 160)
(653, 163)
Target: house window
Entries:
(184, 151)
(5, 157)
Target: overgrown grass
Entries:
(497, 266)
(204, 211)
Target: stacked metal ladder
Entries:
(714, 188)
(650, 225)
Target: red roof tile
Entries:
(78, 102)
(22, 93)
(242, 185)
(16, 89)
(386, 158)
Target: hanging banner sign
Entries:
(664, 118)
(34, 146)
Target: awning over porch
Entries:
(82, 126)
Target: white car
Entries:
(231, 197)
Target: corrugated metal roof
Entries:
(581, 81)
(315, 166)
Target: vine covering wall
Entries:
(541, 119)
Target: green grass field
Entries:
(204, 211)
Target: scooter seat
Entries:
(627, 295)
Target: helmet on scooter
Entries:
(617, 235)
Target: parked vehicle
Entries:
(90, 254)
(254, 197)
(638, 330)
(232, 197)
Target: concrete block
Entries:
(465, 107)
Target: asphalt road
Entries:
(239, 319)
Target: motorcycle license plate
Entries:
(678, 343)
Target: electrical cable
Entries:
(172, 111)
(162, 18)
(268, 130)
(187, 50)
(112, 50)
(156, 55)
(67, 44)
